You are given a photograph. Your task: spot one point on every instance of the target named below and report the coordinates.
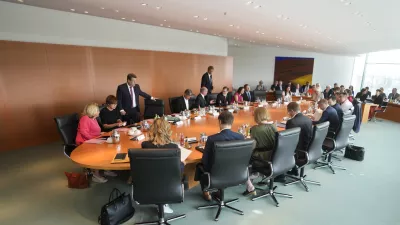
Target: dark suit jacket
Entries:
(207, 82)
(124, 97)
(339, 111)
(279, 88)
(305, 125)
(208, 153)
(303, 88)
(246, 98)
(361, 96)
(369, 94)
(222, 100)
(181, 106)
(379, 100)
(327, 94)
(201, 102)
(330, 115)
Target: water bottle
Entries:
(182, 140)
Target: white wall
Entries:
(32, 24)
(252, 64)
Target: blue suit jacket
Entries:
(208, 153)
(330, 115)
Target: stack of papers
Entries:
(95, 141)
(184, 153)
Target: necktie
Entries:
(133, 98)
(248, 95)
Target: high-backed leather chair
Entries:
(382, 108)
(278, 94)
(153, 108)
(173, 104)
(212, 96)
(156, 179)
(262, 95)
(229, 168)
(340, 141)
(281, 162)
(311, 155)
(68, 127)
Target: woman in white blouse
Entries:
(287, 95)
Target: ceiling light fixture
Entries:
(277, 46)
(123, 18)
(257, 32)
(347, 3)
(205, 19)
(257, 6)
(196, 16)
(197, 31)
(162, 25)
(117, 11)
(231, 25)
(279, 16)
(133, 20)
(237, 27)
(165, 20)
(22, 1)
(191, 30)
(249, 3)
(263, 33)
(103, 8)
(144, 4)
(73, 10)
(158, 7)
(86, 12)
(169, 26)
(285, 18)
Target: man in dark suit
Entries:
(369, 95)
(305, 88)
(183, 103)
(329, 114)
(128, 99)
(207, 80)
(226, 134)
(305, 124)
(248, 96)
(292, 87)
(328, 92)
(273, 86)
(202, 99)
(280, 86)
(222, 98)
(333, 102)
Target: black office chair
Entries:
(282, 161)
(262, 95)
(156, 179)
(153, 108)
(173, 104)
(68, 127)
(212, 96)
(229, 168)
(339, 142)
(278, 94)
(311, 155)
(382, 109)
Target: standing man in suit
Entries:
(202, 99)
(183, 103)
(128, 99)
(305, 124)
(207, 80)
(225, 120)
(247, 95)
(329, 114)
(305, 88)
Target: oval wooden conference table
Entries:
(100, 156)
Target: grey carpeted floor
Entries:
(33, 190)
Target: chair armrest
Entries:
(262, 163)
(302, 152)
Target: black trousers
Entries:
(132, 116)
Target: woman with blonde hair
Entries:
(88, 128)
(160, 137)
(264, 135)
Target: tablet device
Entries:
(120, 156)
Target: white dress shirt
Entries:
(186, 103)
(133, 95)
(346, 106)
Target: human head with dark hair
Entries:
(240, 90)
(280, 82)
(187, 94)
(367, 88)
(342, 88)
(288, 90)
(351, 87)
(378, 92)
(293, 109)
(335, 85)
(307, 83)
(210, 69)
(349, 92)
(246, 87)
(323, 104)
(225, 120)
(225, 91)
(131, 79)
(363, 91)
(276, 83)
(332, 100)
(111, 102)
(343, 96)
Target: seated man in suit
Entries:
(394, 95)
(329, 114)
(305, 88)
(226, 134)
(202, 99)
(305, 124)
(369, 94)
(345, 104)
(128, 99)
(222, 98)
(362, 95)
(248, 96)
(183, 103)
(273, 86)
(332, 102)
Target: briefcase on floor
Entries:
(354, 152)
(118, 210)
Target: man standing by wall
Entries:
(207, 80)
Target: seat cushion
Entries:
(328, 145)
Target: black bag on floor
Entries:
(118, 210)
(354, 152)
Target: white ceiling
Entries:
(345, 27)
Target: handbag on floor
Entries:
(77, 180)
(354, 152)
(118, 210)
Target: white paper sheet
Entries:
(184, 153)
(95, 141)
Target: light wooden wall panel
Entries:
(40, 81)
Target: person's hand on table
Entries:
(212, 102)
(152, 98)
(123, 112)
